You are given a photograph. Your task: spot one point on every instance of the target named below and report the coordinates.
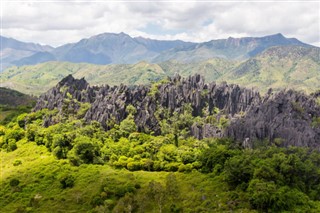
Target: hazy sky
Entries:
(58, 22)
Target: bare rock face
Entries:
(286, 118)
(78, 90)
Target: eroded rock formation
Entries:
(287, 117)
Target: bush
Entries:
(127, 126)
(133, 166)
(66, 181)
(17, 162)
(172, 167)
(61, 144)
(14, 133)
(261, 193)
(185, 168)
(14, 182)
(85, 151)
(2, 130)
(11, 145)
(21, 120)
(239, 170)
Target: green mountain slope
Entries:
(12, 98)
(101, 188)
(36, 79)
(277, 67)
(13, 103)
(291, 67)
(39, 78)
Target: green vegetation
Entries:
(286, 67)
(73, 166)
(13, 103)
(315, 122)
(318, 101)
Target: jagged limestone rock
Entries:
(288, 116)
(285, 118)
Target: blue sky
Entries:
(57, 22)
(158, 30)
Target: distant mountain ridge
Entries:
(113, 48)
(280, 67)
(12, 50)
(231, 48)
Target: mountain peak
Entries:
(104, 35)
(123, 34)
(279, 35)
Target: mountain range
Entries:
(264, 62)
(112, 48)
(278, 67)
(12, 51)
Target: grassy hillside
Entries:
(13, 103)
(277, 67)
(40, 78)
(280, 67)
(37, 78)
(9, 97)
(212, 69)
(73, 166)
(98, 188)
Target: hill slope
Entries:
(13, 103)
(277, 67)
(14, 98)
(291, 67)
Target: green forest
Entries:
(76, 166)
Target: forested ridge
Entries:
(60, 158)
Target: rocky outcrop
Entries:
(286, 118)
(67, 88)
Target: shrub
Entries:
(127, 126)
(172, 167)
(133, 166)
(17, 162)
(261, 193)
(14, 133)
(2, 130)
(66, 181)
(85, 151)
(14, 182)
(21, 120)
(12, 145)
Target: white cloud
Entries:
(58, 23)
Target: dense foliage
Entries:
(140, 172)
